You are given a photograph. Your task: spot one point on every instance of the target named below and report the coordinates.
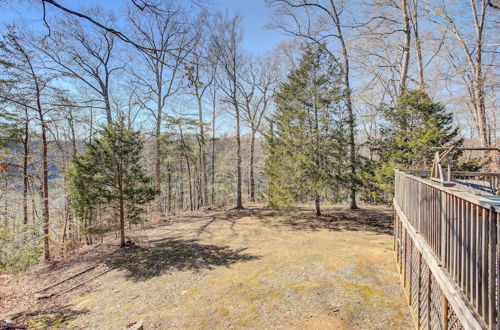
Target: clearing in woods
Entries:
(256, 268)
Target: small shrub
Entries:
(20, 247)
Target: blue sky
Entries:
(255, 16)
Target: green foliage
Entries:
(110, 173)
(377, 179)
(306, 147)
(411, 128)
(20, 246)
(471, 165)
(414, 126)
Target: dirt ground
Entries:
(256, 268)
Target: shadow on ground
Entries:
(44, 319)
(371, 219)
(376, 221)
(161, 256)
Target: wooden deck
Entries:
(446, 242)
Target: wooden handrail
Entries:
(476, 199)
(454, 173)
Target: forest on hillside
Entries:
(109, 119)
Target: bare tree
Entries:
(86, 54)
(141, 5)
(256, 86)
(25, 140)
(32, 83)
(228, 42)
(472, 44)
(167, 32)
(414, 16)
(213, 100)
(200, 76)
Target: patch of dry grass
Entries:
(257, 268)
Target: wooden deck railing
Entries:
(446, 243)
(482, 183)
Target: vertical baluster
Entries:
(484, 264)
(427, 214)
(492, 270)
(443, 241)
(454, 237)
(467, 249)
(419, 280)
(473, 255)
(462, 243)
(434, 222)
(497, 267)
(458, 241)
(419, 206)
(451, 233)
(478, 259)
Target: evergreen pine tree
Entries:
(411, 129)
(109, 172)
(414, 126)
(307, 147)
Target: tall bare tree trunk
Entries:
(121, 204)
(478, 81)
(25, 166)
(239, 202)
(418, 46)
(476, 90)
(252, 165)
(213, 163)
(350, 111)
(169, 192)
(45, 161)
(46, 216)
(181, 188)
(107, 106)
(191, 206)
(213, 152)
(406, 48)
(157, 140)
(203, 155)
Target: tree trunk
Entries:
(317, 205)
(107, 105)
(213, 156)
(158, 147)
(45, 161)
(203, 158)
(191, 207)
(406, 48)
(121, 205)
(479, 96)
(239, 202)
(418, 45)
(25, 168)
(252, 170)
(478, 73)
(46, 217)
(169, 192)
(181, 185)
(350, 111)
(122, 223)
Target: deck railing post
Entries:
(443, 229)
(419, 207)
